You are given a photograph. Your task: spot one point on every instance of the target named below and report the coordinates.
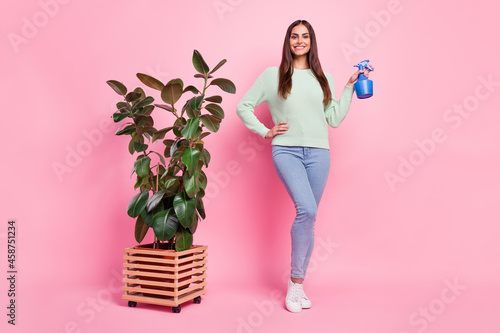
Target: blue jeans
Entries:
(303, 171)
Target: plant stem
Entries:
(157, 175)
(203, 94)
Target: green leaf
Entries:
(150, 81)
(158, 135)
(123, 106)
(165, 107)
(199, 64)
(192, 89)
(225, 85)
(179, 151)
(148, 110)
(141, 167)
(131, 149)
(190, 184)
(172, 185)
(155, 200)
(183, 240)
(143, 102)
(184, 208)
(202, 180)
(137, 204)
(168, 145)
(219, 65)
(132, 96)
(199, 130)
(179, 125)
(215, 109)
(190, 158)
(139, 147)
(142, 120)
(118, 87)
(141, 92)
(194, 225)
(203, 135)
(148, 217)
(127, 130)
(165, 224)
(191, 127)
(190, 112)
(202, 76)
(195, 102)
(141, 229)
(205, 157)
(210, 122)
(119, 116)
(200, 207)
(171, 93)
(214, 99)
(179, 81)
(149, 129)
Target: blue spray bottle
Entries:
(364, 86)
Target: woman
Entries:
(301, 98)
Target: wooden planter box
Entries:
(164, 277)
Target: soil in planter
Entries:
(168, 255)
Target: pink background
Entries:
(386, 257)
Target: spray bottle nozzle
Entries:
(363, 64)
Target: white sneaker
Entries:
(293, 298)
(306, 302)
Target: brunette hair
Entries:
(286, 66)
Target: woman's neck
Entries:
(300, 62)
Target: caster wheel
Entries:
(132, 304)
(176, 309)
(197, 300)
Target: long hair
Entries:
(286, 66)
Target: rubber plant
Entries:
(170, 191)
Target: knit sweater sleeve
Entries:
(336, 111)
(245, 109)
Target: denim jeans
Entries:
(303, 171)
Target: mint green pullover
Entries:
(303, 108)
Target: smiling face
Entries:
(300, 43)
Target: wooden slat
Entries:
(167, 301)
(193, 250)
(151, 252)
(150, 291)
(151, 267)
(158, 275)
(191, 288)
(194, 257)
(164, 274)
(149, 259)
(193, 280)
(137, 281)
(194, 264)
(199, 270)
(132, 259)
(160, 269)
(173, 254)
